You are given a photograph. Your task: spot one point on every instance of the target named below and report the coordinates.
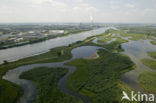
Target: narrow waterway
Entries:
(30, 88)
(137, 50)
(16, 53)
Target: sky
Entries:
(109, 11)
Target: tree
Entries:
(5, 62)
(60, 53)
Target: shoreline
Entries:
(17, 53)
(40, 40)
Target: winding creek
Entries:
(13, 54)
(136, 50)
(30, 88)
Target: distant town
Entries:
(12, 35)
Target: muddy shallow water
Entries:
(136, 50)
(29, 87)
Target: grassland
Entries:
(145, 30)
(46, 80)
(99, 79)
(125, 33)
(9, 92)
(12, 91)
(147, 80)
(73, 31)
(152, 54)
(153, 42)
(150, 63)
(113, 46)
(110, 34)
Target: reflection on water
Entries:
(84, 51)
(139, 48)
(12, 54)
(30, 88)
(136, 50)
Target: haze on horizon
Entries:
(114, 11)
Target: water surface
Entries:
(136, 50)
(16, 53)
(30, 88)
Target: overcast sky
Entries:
(142, 11)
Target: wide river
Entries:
(16, 53)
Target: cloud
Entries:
(79, 1)
(76, 10)
(130, 5)
(84, 10)
(85, 7)
(115, 4)
(149, 10)
(49, 2)
(115, 7)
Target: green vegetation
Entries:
(147, 30)
(46, 80)
(109, 35)
(105, 38)
(126, 33)
(74, 31)
(113, 46)
(9, 92)
(12, 91)
(153, 42)
(147, 80)
(5, 62)
(99, 78)
(150, 63)
(10, 44)
(152, 54)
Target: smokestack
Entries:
(91, 19)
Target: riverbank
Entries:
(14, 54)
(98, 79)
(29, 87)
(150, 62)
(147, 81)
(33, 41)
(54, 55)
(46, 80)
(125, 67)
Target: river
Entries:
(29, 87)
(16, 53)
